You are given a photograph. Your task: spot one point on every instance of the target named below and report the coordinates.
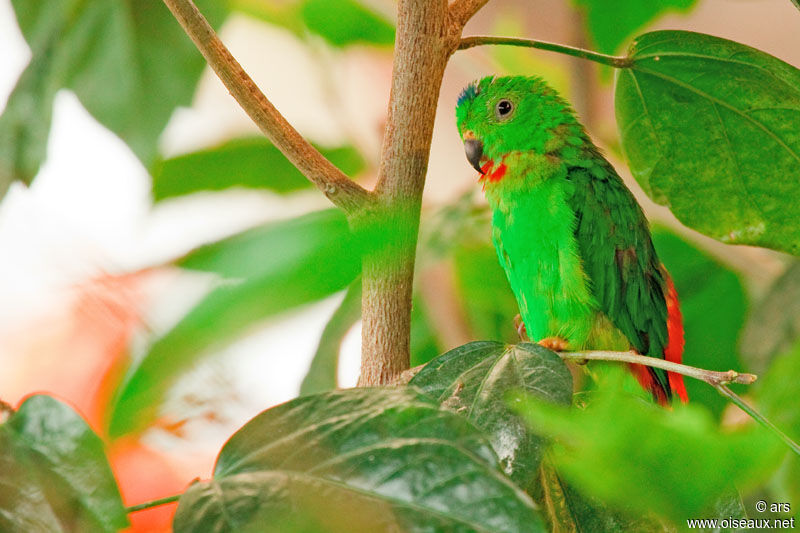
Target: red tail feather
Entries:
(672, 352)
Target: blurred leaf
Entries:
(344, 22)
(340, 22)
(357, 460)
(489, 304)
(777, 392)
(254, 163)
(612, 22)
(280, 266)
(55, 475)
(714, 304)
(569, 510)
(711, 128)
(639, 457)
(475, 379)
(322, 373)
(774, 325)
(796, 3)
(425, 344)
(129, 63)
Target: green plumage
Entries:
(572, 239)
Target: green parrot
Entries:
(570, 236)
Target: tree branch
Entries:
(340, 189)
(460, 11)
(612, 61)
(711, 377)
(154, 503)
(423, 45)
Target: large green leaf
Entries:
(612, 22)
(271, 269)
(711, 128)
(339, 22)
(55, 476)
(636, 456)
(252, 162)
(357, 460)
(774, 325)
(475, 380)
(713, 303)
(128, 61)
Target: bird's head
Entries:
(500, 115)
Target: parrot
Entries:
(573, 241)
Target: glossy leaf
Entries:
(322, 373)
(774, 325)
(713, 303)
(357, 460)
(253, 163)
(270, 269)
(475, 380)
(129, 63)
(636, 456)
(711, 128)
(55, 475)
(612, 22)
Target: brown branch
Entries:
(340, 189)
(423, 44)
(461, 11)
(711, 377)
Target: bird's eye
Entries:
(503, 108)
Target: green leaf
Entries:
(569, 510)
(253, 163)
(644, 459)
(711, 128)
(340, 22)
(357, 460)
(425, 343)
(488, 302)
(322, 373)
(779, 389)
(713, 303)
(612, 22)
(344, 22)
(475, 379)
(278, 266)
(774, 325)
(129, 63)
(55, 473)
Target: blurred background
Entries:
(92, 280)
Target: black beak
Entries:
(474, 150)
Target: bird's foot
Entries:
(520, 327)
(556, 344)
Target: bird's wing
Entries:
(626, 277)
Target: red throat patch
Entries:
(492, 174)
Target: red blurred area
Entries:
(78, 352)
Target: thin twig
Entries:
(460, 11)
(342, 191)
(758, 417)
(711, 377)
(153, 503)
(612, 61)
